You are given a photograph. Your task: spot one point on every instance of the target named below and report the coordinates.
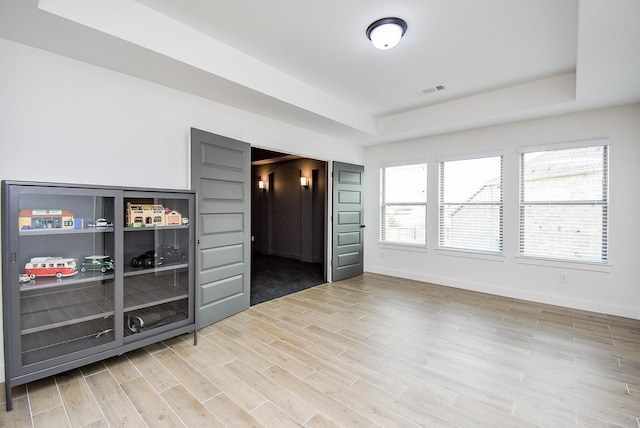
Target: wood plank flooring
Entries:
(371, 351)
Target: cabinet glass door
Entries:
(64, 264)
(157, 253)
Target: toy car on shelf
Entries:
(23, 277)
(100, 223)
(101, 263)
(160, 256)
(51, 266)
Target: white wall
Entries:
(66, 121)
(613, 289)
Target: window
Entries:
(470, 210)
(403, 204)
(564, 203)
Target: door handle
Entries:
(362, 226)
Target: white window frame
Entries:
(384, 204)
(604, 202)
(444, 249)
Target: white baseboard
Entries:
(585, 305)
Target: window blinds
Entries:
(564, 204)
(403, 204)
(470, 209)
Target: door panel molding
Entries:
(221, 172)
(347, 228)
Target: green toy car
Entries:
(101, 263)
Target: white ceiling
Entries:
(311, 65)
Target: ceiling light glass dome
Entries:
(385, 33)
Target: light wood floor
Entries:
(373, 351)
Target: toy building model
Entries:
(45, 218)
(145, 215)
(173, 218)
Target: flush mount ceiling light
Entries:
(385, 33)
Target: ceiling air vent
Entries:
(432, 90)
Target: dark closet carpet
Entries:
(273, 277)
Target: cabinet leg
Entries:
(7, 391)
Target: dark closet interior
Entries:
(288, 217)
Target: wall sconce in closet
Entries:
(304, 182)
(262, 186)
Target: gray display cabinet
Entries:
(92, 272)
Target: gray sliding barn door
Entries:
(348, 216)
(220, 171)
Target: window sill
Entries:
(594, 267)
(471, 254)
(416, 248)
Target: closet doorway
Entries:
(288, 224)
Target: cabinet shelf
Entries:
(40, 232)
(143, 291)
(52, 310)
(66, 340)
(152, 228)
(66, 323)
(43, 283)
(163, 268)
